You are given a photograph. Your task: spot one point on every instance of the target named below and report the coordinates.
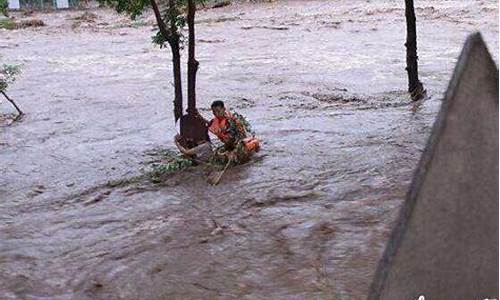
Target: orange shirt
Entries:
(220, 127)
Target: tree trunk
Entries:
(415, 87)
(176, 62)
(192, 63)
(13, 103)
(171, 35)
(193, 128)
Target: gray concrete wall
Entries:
(445, 243)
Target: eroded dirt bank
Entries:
(323, 84)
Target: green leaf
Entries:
(8, 75)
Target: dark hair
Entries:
(217, 103)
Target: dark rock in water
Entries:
(222, 3)
(445, 243)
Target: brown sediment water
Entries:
(323, 84)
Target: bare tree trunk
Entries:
(415, 87)
(172, 37)
(193, 128)
(192, 62)
(176, 61)
(13, 103)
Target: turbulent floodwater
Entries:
(323, 84)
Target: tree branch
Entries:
(13, 103)
(161, 24)
(173, 26)
(192, 63)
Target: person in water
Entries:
(230, 131)
(238, 146)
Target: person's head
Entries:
(218, 108)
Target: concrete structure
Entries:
(445, 243)
(14, 4)
(58, 4)
(62, 4)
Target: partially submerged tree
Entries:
(170, 18)
(170, 34)
(415, 87)
(193, 128)
(8, 75)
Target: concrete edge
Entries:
(405, 213)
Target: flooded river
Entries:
(323, 84)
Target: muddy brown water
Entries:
(323, 84)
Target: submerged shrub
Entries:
(177, 164)
(7, 23)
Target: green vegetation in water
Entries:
(8, 75)
(234, 129)
(124, 181)
(217, 161)
(7, 24)
(11, 24)
(167, 162)
(178, 164)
